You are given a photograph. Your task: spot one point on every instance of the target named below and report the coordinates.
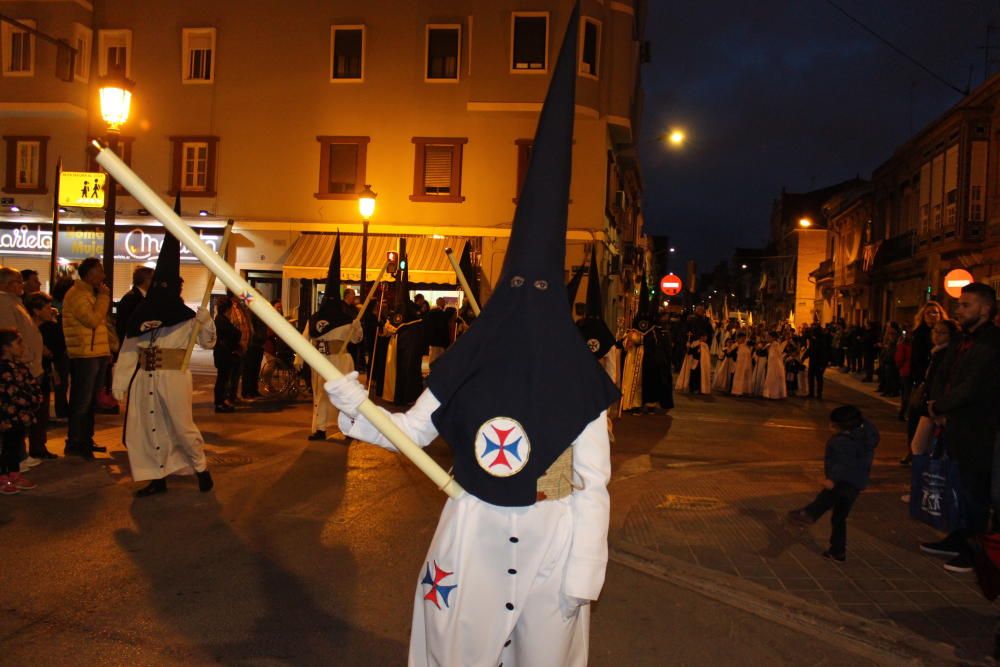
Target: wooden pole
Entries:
(272, 318)
(207, 297)
(364, 307)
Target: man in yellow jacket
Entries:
(85, 315)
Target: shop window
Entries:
(347, 49)
(437, 171)
(25, 165)
(443, 52)
(342, 164)
(529, 42)
(194, 166)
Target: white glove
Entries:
(202, 316)
(346, 394)
(569, 606)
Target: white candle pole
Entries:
(207, 296)
(265, 311)
(361, 313)
(462, 281)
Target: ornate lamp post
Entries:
(116, 99)
(366, 206)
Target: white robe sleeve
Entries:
(588, 557)
(415, 422)
(128, 356)
(206, 335)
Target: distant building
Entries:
(278, 116)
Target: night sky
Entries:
(788, 93)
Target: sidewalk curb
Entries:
(858, 635)
(868, 389)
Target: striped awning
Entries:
(309, 256)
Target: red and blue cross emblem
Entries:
(502, 447)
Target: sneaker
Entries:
(946, 547)
(20, 481)
(30, 462)
(8, 487)
(962, 563)
(829, 554)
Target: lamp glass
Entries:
(366, 203)
(805, 222)
(116, 99)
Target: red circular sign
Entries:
(955, 281)
(671, 285)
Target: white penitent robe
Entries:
(631, 385)
(497, 583)
(743, 373)
(723, 373)
(702, 364)
(324, 415)
(759, 376)
(160, 432)
(774, 383)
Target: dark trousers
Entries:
(905, 391)
(61, 388)
(976, 498)
(11, 449)
(816, 380)
(227, 378)
(840, 499)
(38, 432)
(869, 361)
(252, 361)
(87, 377)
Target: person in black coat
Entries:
(870, 345)
(965, 394)
(142, 277)
(226, 355)
(818, 353)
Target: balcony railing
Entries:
(896, 248)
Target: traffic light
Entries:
(392, 262)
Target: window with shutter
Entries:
(18, 49)
(25, 172)
(342, 163)
(194, 167)
(199, 55)
(27, 164)
(113, 47)
(590, 47)
(437, 170)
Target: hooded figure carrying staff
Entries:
(160, 432)
(329, 327)
(646, 378)
(403, 376)
(521, 401)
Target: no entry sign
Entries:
(955, 280)
(671, 285)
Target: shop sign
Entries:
(138, 244)
(955, 280)
(83, 189)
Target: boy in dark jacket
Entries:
(847, 465)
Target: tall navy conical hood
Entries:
(520, 386)
(641, 320)
(468, 270)
(163, 305)
(593, 327)
(331, 312)
(403, 308)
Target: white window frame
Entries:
(185, 173)
(548, 29)
(19, 148)
(107, 38)
(580, 69)
(7, 32)
(364, 48)
(186, 35)
(83, 40)
(427, 51)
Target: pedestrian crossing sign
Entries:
(83, 189)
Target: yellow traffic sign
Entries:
(83, 189)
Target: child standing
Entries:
(20, 397)
(847, 465)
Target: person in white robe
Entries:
(759, 377)
(774, 383)
(743, 369)
(723, 379)
(696, 371)
(160, 434)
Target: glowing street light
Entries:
(743, 266)
(805, 223)
(116, 101)
(366, 207)
(673, 250)
(676, 138)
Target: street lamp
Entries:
(116, 100)
(805, 223)
(676, 138)
(366, 207)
